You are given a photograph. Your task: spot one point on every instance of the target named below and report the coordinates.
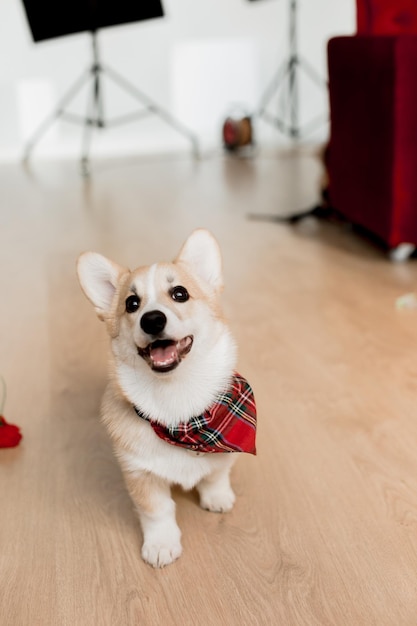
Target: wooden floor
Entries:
(324, 531)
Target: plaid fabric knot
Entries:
(228, 425)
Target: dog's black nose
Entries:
(153, 322)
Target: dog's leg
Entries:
(156, 509)
(216, 493)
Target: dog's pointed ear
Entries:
(99, 278)
(202, 254)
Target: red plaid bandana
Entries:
(229, 425)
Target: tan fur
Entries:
(142, 487)
(119, 419)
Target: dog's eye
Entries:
(179, 294)
(132, 304)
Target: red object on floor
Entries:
(10, 434)
(372, 159)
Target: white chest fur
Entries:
(138, 448)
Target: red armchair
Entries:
(372, 159)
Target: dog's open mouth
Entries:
(163, 355)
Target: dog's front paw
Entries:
(159, 554)
(218, 501)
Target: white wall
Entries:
(201, 58)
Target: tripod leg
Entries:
(90, 121)
(273, 87)
(281, 84)
(154, 108)
(56, 114)
(312, 73)
(293, 98)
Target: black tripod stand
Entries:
(95, 109)
(286, 81)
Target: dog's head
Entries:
(164, 317)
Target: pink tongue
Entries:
(164, 355)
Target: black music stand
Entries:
(91, 16)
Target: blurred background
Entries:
(199, 61)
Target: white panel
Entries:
(209, 77)
(36, 99)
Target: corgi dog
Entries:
(175, 409)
